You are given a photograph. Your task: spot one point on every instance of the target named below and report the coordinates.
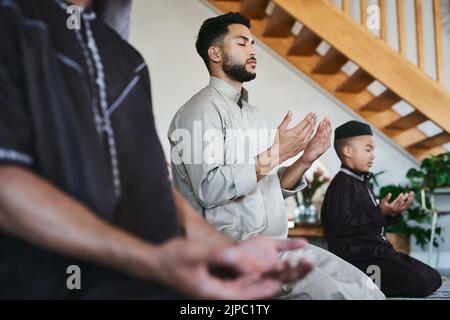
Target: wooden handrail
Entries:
(401, 27)
(363, 13)
(364, 50)
(401, 30)
(348, 40)
(383, 30)
(419, 34)
(346, 6)
(438, 41)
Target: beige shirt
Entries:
(213, 144)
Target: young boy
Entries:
(354, 222)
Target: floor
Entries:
(443, 293)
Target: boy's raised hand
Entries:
(396, 207)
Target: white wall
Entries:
(164, 31)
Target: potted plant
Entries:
(308, 208)
(434, 174)
(414, 223)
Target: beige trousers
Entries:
(332, 278)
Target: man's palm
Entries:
(319, 143)
(187, 266)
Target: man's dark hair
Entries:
(213, 30)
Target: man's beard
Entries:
(236, 70)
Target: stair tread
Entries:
(280, 23)
(357, 82)
(425, 153)
(254, 9)
(374, 56)
(382, 102)
(431, 142)
(376, 110)
(305, 43)
(331, 62)
(407, 122)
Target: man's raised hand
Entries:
(319, 143)
(290, 142)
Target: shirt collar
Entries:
(87, 11)
(362, 176)
(228, 89)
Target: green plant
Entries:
(373, 181)
(318, 180)
(415, 222)
(434, 172)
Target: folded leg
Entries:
(403, 276)
(332, 279)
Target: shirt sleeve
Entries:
(390, 220)
(341, 219)
(15, 124)
(198, 155)
(301, 184)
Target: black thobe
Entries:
(354, 229)
(52, 122)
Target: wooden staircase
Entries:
(349, 40)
